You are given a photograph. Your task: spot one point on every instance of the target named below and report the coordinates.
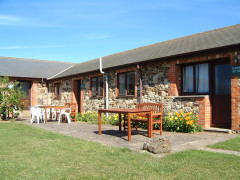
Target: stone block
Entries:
(158, 145)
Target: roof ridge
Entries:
(16, 58)
(204, 32)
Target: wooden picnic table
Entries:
(126, 112)
(50, 107)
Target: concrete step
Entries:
(229, 131)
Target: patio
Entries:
(112, 137)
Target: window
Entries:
(97, 86)
(57, 91)
(196, 79)
(126, 84)
(25, 86)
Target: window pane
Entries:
(57, 91)
(188, 85)
(202, 78)
(121, 84)
(25, 86)
(100, 86)
(130, 83)
(94, 87)
(223, 79)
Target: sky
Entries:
(81, 30)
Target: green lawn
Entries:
(32, 153)
(232, 144)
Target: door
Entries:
(221, 96)
(25, 86)
(79, 95)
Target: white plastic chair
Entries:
(16, 112)
(66, 112)
(54, 113)
(36, 114)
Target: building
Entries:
(197, 73)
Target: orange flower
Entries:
(181, 119)
(197, 116)
(191, 122)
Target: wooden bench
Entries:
(155, 117)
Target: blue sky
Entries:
(81, 30)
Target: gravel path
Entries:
(112, 137)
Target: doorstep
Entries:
(229, 131)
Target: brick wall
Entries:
(235, 99)
(205, 111)
(34, 93)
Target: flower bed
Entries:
(175, 122)
(181, 122)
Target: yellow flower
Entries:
(171, 118)
(175, 118)
(177, 114)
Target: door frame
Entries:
(212, 79)
(78, 94)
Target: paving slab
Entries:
(112, 137)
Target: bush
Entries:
(181, 122)
(10, 96)
(92, 117)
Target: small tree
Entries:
(10, 96)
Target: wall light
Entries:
(236, 60)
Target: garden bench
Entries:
(155, 117)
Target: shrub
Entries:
(10, 96)
(181, 122)
(92, 117)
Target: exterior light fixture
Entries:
(236, 61)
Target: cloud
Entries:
(30, 47)
(10, 20)
(95, 36)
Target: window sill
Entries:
(190, 96)
(97, 97)
(129, 96)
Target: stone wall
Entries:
(42, 95)
(65, 93)
(156, 87)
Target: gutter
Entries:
(140, 82)
(106, 87)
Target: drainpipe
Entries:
(100, 59)
(140, 82)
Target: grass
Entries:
(232, 144)
(33, 153)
